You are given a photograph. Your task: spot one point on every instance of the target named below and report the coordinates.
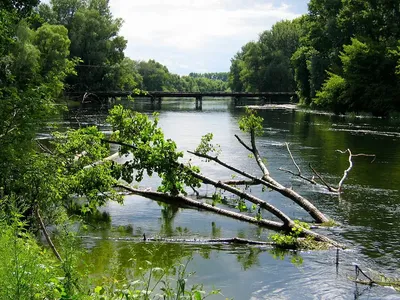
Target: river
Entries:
(368, 210)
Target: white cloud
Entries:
(194, 33)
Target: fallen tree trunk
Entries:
(188, 202)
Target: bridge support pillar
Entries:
(237, 100)
(199, 102)
(155, 99)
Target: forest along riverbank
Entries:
(367, 209)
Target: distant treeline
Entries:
(214, 76)
(156, 77)
(342, 56)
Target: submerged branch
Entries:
(235, 240)
(241, 182)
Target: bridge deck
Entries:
(161, 94)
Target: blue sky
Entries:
(197, 35)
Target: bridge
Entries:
(157, 96)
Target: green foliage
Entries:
(156, 283)
(291, 240)
(241, 205)
(151, 152)
(27, 271)
(331, 95)
(345, 61)
(93, 33)
(216, 198)
(251, 123)
(206, 148)
(265, 65)
(156, 77)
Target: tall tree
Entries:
(265, 65)
(93, 32)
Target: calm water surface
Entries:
(368, 210)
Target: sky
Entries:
(197, 35)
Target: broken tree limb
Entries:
(298, 199)
(276, 212)
(328, 186)
(267, 181)
(243, 143)
(188, 202)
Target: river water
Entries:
(368, 210)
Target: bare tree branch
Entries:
(291, 156)
(257, 155)
(44, 148)
(329, 187)
(119, 143)
(298, 174)
(235, 240)
(243, 143)
(346, 172)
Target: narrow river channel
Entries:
(368, 210)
